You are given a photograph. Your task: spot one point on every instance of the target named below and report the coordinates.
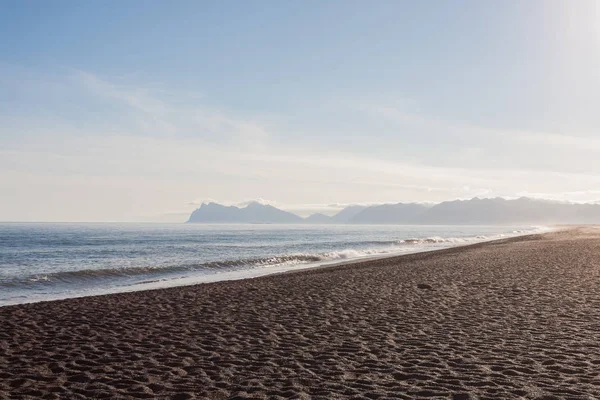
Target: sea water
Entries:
(54, 261)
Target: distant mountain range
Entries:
(253, 213)
(496, 211)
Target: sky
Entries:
(141, 111)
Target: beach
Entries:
(512, 318)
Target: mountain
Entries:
(318, 218)
(253, 213)
(400, 213)
(257, 213)
(347, 214)
(475, 211)
(497, 211)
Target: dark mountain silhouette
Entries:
(253, 213)
(496, 211)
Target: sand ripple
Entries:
(518, 318)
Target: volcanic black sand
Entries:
(516, 318)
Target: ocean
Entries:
(55, 261)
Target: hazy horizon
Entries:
(303, 211)
(116, 111)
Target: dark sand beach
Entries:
(516, 318)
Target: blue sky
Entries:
(139, 111)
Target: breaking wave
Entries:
(107, 273)
(353, 251)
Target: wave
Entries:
(437, 239)
(356, 250)
(107, 273)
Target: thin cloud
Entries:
(157, 113)
(104, 169)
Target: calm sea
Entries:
(53, 261)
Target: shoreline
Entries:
(509, 318)
(249, 274)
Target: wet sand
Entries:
(516, 318)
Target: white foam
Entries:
(288, 264)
